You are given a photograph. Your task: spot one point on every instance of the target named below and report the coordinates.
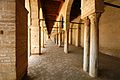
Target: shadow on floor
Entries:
(109, 66)
(55, 65)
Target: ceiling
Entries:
(51, 10)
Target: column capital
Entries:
(87, 21)
(95, 16)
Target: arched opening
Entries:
(19, 32)
(71, 8)
(75, 23)
(75, 9)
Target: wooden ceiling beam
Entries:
(50, 15)
(113, 5)
(53, 14)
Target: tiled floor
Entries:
(54, 64)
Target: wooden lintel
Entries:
(76, 23)
(53, 21)
(112, 5)
(50, 20)
(52, 27)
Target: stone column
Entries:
(77, 36)
(55, 39)
(59, 37)
(63, 36)
(82, 36)
(45, 35)
(70, 36)
(86, 45)
(66, 41)
(35, 28)
(94, 44)
(29, 41)
(35, 37)
(42, 35)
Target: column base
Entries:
(93, 75)
(59, 46)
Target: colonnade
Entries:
(38, 34)
(91, 42)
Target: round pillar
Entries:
(94, 44)
(86, 45)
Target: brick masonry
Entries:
(21, 40)
(7, 40)
(91, 6)
(35, 29)
(12, 41)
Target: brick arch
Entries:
(69, 6)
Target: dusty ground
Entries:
(54, 64)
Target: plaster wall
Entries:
(110, 30)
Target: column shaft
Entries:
(77, 36)
(35, 40)
(86, 45)
(66, 41)
(57, 39)
(94, 44)
(29, 41)
(63, 33)
(60, 39)
(42, 37)
(70, 36)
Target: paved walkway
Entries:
(54, 64)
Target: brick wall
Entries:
(110, 30)
(13, 40)
(7, 40)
